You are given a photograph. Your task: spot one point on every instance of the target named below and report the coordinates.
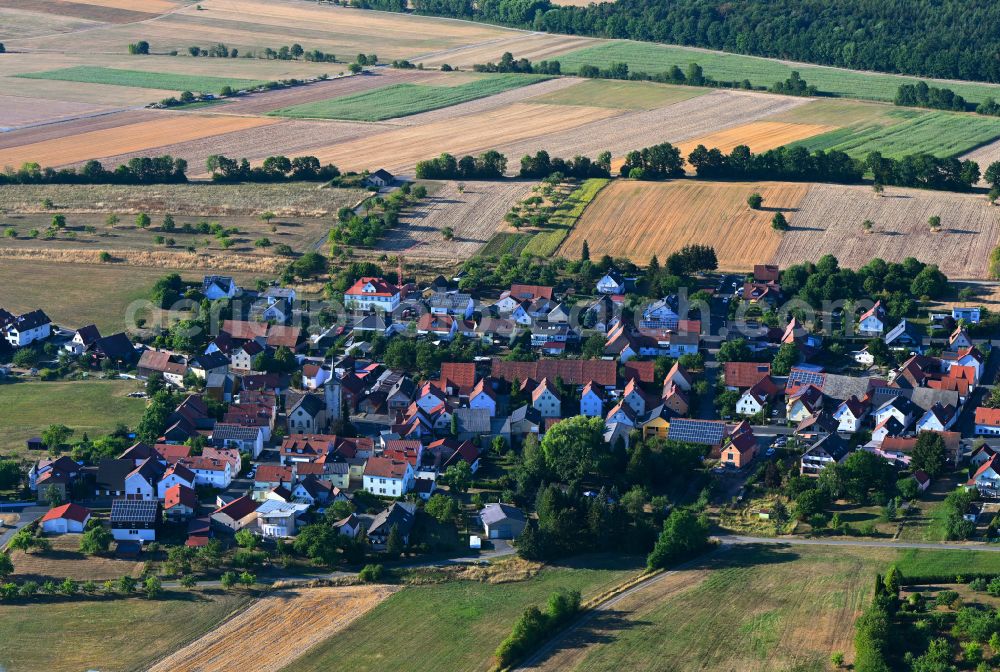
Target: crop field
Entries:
(256, 639)
(943, 134)
(458, 624)
(16, 111)
(829, 221)
(101, 12)
(505, 243)
(144, 136)
(474, 215)
(760, 136)
(620, 95)
(120, 635)
(141, 79)
(545, 243)
(661, 217)
(533, 46)
(401, 100)
(18, 23)
(95, 407)
(66, 560)
(656, 58)
(984, 155)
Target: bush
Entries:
(371, 573)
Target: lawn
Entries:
(751, 609)
(942, 134)
(545, 243)
(141, 79)
(620, 95)
(107, 634)
(455, 625)
(94, 406)
(657, 58)
(401, 100)
(505, 243)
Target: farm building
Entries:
(66, 519)
(502, 521)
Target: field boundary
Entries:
(547, 243)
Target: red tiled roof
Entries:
(171, 453)
(382, 288)
(69, 511)
(531, 291)
(461, 374)
(273, 473)
(239, 508)
(644, 371)
(604, 372)
(745, 374)
(988, 416)
(383, 467)
(180, 495)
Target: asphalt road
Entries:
(28, 515)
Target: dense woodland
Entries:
(931, 38)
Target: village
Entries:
(271, 429)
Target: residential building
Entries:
(28, 328)
(545, 399)
(237, 514)
(277, 519)
(592, 400)
(391, 478)
(370, 293)
(987, 421)
(134, 520)
(399, 515)
(872, 321)
(502, 521)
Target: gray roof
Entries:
(401, 514)
(473, 420)
(229, 431)
(924, 398)
(111, 473)
(494, 513)
(842, 388)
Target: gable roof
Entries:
(69, 511)
(239, 508)
(461, 374)
(530, 292)
(572, 371)
(134, 511)
(399, 514)
(745, 374)
(383, 467)
(492, 514)
(88, 334)
(382, 288)
(180, 495)
(988, 416)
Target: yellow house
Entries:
(656, 428)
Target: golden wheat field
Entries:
(639, 219)
(759, 136)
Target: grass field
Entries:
(402, 100)
(620, 95)
(661, 217)
(452, 626)
(254, 640)
(505, 243)
(545, 243)
(141, 79)
(94, 407)
(657, 58)
(115, 635)
(750, 608)
(942, 134)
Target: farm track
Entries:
(275, 630)
(829, 221)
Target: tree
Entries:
(188, 581)
(442, 508)
(95, 540)
(58, 221)
(683, 535)
(735, 350)
(593, 347)
(810, 503)
(266, 216)
(394, 542)
(54, 436)
(458, 476)
(778, 222)
(229, 580)
(247, 579)
(868, 225)
(126, 584)
(878, 189)
(6, 565)
(10, 474)
(755, 200)
(786, 357)
(585, 252)
(934, 222)
(929, 454)
(142, 220)
(140, 48)
(247, 539)
(152, 586)
(573, 447)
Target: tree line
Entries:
(273, 169)
(138, 170)
(929, 38)
(935, 98)
(521, 65)
(490, 165)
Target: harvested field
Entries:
(403, 100)
(82, 10)
(533, 46)
(143, 136)
(25, 24)
(253, 639)
(142, 79)
(246, 263)
(639, 219)
(70, 127)
(829, 220)
(18, 111)
(760, 136)
(841, 112)
(66, 560)
(675, 123)
(268, 101)
(402, 148)
(148, 6)
(474, 215)
(620, 95)
(984, 155)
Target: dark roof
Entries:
(115, 346)
(111, 473)
(134, 511)
(704, 432)
(400, 514)
(88, 334)
(227, 431)
(310, 403)
(494, 513)
(32, 320)
(212, 360)
(384, 174)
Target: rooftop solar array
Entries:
(798, 377)
(127, 510)
(705, 432)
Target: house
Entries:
(208, 472)
(981, 455)
(739, 448)
(970, 315)
(923, 480)
(496, 331)
(766, 273)
(572, 371)
(307, 415)
(176, 474)
(483, 397)
(743, 375)
(371, 293)
(205, 365)
(180, 502)
(634, 397)
(442, 327)
(902, 337)
(275, 311)
(545, 399)
(110, 479)
(987, 421)
(230, 455)
(804, 402)
(429, 397)
(60, 472)
(830, 449)
(172, 367)
(622, 414)
(708, 433)
(525, 420)
(850, 414)
(757, 397)
(388, 477)
(380, 178)
(502, 521)
(457, 378)
(215, 287)
(611, 282)
(518, 294)
(660, 314)
(872, 321)
(592, 401)
(987, 478)
(471, 422)
(900, 408)
(83, 339)
(247, 439)
(349, 526)
(399, 515)
(68, 518)
(116, 349)
(241, 357)
(27, 329)
(959, 339)
(938, 418)
(451, 303)
(277, 519)
(237, 514)
(676, 400)
(134, 519)
(465, 451)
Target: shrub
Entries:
(371, 573)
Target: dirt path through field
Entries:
(275, 630)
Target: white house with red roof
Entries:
(850, 414)
(592, 400)
(209, 472)
(987, 478)
(483, 396)
(176, 474)
(180, 502)
(68, 518)
(387, 477)
(987, 421)
(372, 294)
(545, 399)
(872, 321)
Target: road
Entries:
(28, 515)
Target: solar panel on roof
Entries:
(133, 509)
(800, 377)
(696, 431)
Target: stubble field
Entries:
(759, 136)
(66, 560)
(640, 219)
(276, 630)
